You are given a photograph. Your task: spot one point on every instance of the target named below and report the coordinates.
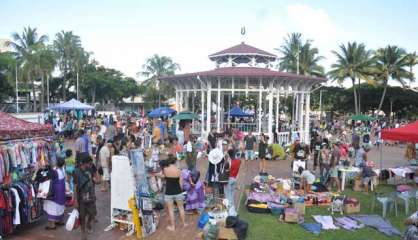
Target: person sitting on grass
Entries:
(307, 179)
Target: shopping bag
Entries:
(71, 222)
(44, 189)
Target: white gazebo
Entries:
(244, 70)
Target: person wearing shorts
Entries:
(249, 141)
(104, 159)
(173, 191)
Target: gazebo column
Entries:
(177, 100)
(277, 117)
(307, 111)
(260, 109)
(270, 117)
(295, 110)
(300, 113)
(181, 101)
(208, 105)
(218, 107)
(187, 98)
(177, 108)
(202, 102)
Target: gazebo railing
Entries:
(243, 127)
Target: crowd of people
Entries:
(96, 139)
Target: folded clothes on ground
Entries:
(378, 223)
(348, 223)
(314, 228)
(326, 221)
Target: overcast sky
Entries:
(122, 34)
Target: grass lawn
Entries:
(266, 226)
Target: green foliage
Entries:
(294, 51)
(104, 84)
(391, 62)
(354, 62)
(7, 67)
(154, 90)
(341, 100)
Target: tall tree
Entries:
(354, 62)
(154, 68)
(412, 61)
(7, 75)
(300, 57)
(391, 64)
(26, 45)
(46, 62)
(67, 46)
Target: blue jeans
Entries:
(230, 190)
(249, 154)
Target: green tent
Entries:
(361, 117)
(185, 116)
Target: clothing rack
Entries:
(46, 138)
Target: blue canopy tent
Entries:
(71, 105)
(237, 112)
(161, 112)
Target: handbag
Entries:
(224, 175)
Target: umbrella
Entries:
(361, 117)
(161, 112)
(237, 112)
(185, 116)
(71, 105)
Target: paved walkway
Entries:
(392, 156)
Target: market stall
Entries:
(407, 133)
(24, 148)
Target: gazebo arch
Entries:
(245, 69)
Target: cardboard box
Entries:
(300, 207)
(291, 215)
(351, 208)
(357, 185)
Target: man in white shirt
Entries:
(105, 163)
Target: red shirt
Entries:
(235, 163)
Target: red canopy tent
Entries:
(407, 133)
(14, 128)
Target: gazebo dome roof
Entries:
(242, 49)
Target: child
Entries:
(367, 174)
(307, 179)
(195, 198)
(69, 168)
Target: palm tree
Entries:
(66, 46)
(411, 62)
(354, 63)
(299, 57)
(26, 45)
(391, 63)
(154, 68)
(46, 64)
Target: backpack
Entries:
(86, 189)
